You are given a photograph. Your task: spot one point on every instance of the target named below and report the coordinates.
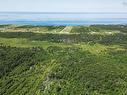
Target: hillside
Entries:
(63, 60)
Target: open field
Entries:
(63, 60)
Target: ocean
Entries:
(59, 18)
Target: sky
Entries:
(63, 5)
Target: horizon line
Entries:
(63, 12)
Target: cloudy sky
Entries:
(63, 5)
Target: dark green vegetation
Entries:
(85, 60)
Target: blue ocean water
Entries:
(53, 18)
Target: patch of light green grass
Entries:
(98, 48)
(22, 42)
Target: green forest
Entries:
(63, 60)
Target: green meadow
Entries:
(63, 60)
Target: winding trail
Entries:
(48, 70)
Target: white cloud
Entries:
(64, 5)
(125, 4)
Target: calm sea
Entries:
(41, 18)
